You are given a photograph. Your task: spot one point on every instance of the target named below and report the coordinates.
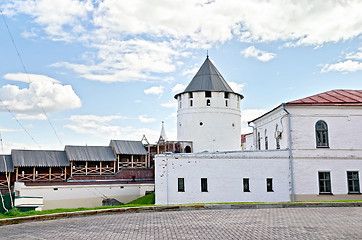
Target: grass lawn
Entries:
(148, 200)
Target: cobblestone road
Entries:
(275, 223)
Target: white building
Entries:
(304, 150)
(209, 112)
(325, 146)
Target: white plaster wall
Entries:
(344, 126)
(306, 174)
(221, 125)
(269, 122)
(74, 196)
(224, 173)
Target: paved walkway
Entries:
(273, 223)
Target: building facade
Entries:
(303, 150)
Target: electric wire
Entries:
(28, 77)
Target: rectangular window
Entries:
(181, 185)
(207, 94)
(246, 184)
(226, 103)
(191, 95)
(324, 182)
(269, 185)
(203, 184)
(353, 182)
(226, 95)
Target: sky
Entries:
(85, 72)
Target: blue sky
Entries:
(109, 69)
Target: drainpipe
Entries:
(254, 141)
(290, 152)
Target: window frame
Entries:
(353, 180)
(204, 186)
(321, 135)
(266, 140)
(269, 188)
(327, 182)
(246, 182)
(277, 139)
(181, 184)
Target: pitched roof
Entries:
(208, 78)
(9, 163)
(89, 153)
(333, 97)
(39, 158)
(128, 147)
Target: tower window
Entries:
(207, 94)
(180, 105)
(201, 123)
(258, 142)
(191, 95)
(208, 102)
(226, 103)
(191, 103)
(226, 95)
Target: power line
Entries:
(31, 84)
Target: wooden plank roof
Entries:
(89, 153)
(39, 158)
(128, 147)
(6, 164)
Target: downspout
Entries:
(290, 153)
(254, 141)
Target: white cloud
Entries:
(129, 40)
(39, 116)
(154, 90)
(236, 87)
(99, 126)
(169, 104)
(178, 88)
(355, 55)
(146, 119)
(346, 66)
(258, 54)
(50, 95)
(248, 115)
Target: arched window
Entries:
(191, 103)
(226, 103)
(208, 102)
(277, 137)
(259, 141)
(266, 140)
(321, 132)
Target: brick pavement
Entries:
(272, 223)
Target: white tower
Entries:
(209, 112)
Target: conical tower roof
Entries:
(208, 78)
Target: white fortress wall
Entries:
(75, 196)
(224, 173)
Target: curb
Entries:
(16, 220)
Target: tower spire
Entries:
(163, 137)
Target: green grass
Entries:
(148, 200)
